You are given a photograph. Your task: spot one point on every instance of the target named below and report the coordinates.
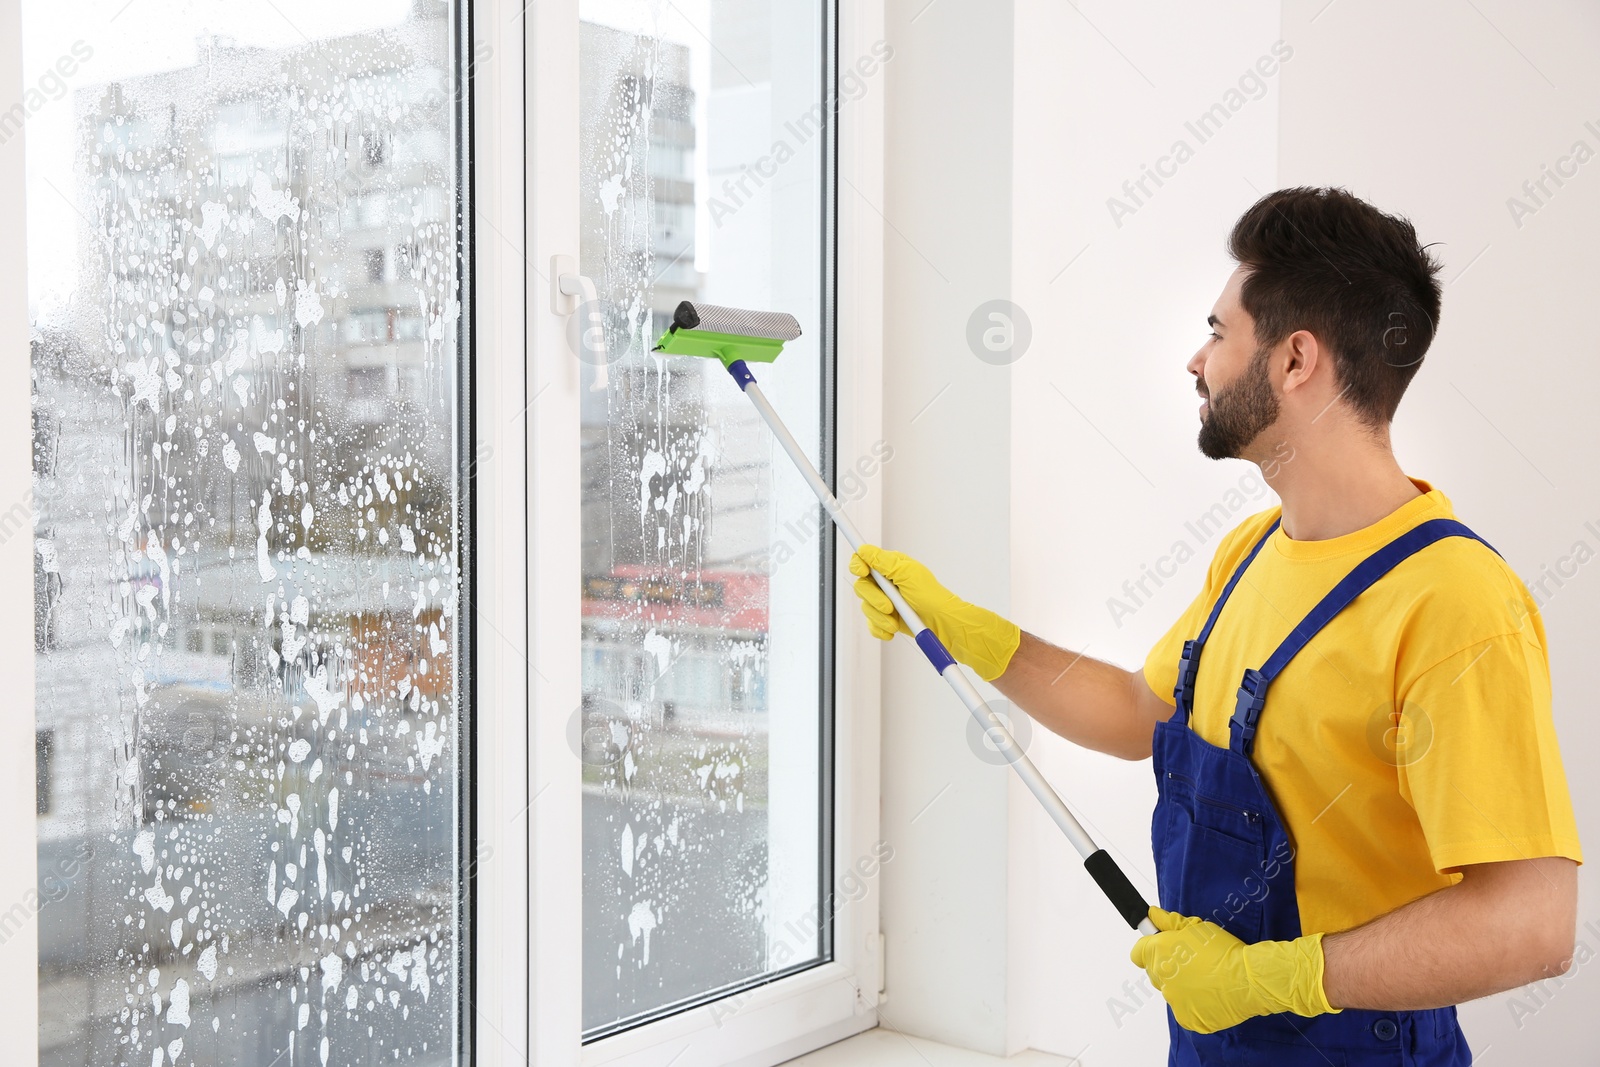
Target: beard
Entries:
(1237, 415)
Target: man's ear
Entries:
(1302, 356)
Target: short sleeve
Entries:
(1477, 756)
(1161, 663)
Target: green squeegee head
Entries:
(727, 334)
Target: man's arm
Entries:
(1093, 703)
(1090, 702)
(1503, 925)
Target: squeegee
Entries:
(738, 338)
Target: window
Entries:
(366, 326)
(254, 855)
(706, 712)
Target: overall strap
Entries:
(1253, 689)
(1189, 662)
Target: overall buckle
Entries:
(1188, 669)
(1247, 711)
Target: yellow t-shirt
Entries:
(1411, 737)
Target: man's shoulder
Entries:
(1465, 585)
(1460, 574)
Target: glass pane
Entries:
(704, 715)
(243, 255)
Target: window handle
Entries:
(572, 293)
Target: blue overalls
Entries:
(1222, 853)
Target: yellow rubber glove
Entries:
(975, 636)
(1212, 980)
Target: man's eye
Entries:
(1215, 336)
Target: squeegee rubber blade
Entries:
(714, 318)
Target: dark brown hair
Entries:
(1328, 262)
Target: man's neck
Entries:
(1328, 492)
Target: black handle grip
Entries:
(1115, 885)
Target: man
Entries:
(1388, 831)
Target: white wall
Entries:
(1104, 466)
(1428, 109)
(947, 248)
(1443, 115)
(1004, 141)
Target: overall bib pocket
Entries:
(1210, 872)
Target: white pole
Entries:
(980, 709)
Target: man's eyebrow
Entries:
(1213, 321)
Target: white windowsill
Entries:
(888, 1048)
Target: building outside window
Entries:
(275, 815)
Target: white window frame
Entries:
(527, 950)
(501, 287)
(499, 614)
(830, 1001)
(19, 955)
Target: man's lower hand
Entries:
(1212, 980)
